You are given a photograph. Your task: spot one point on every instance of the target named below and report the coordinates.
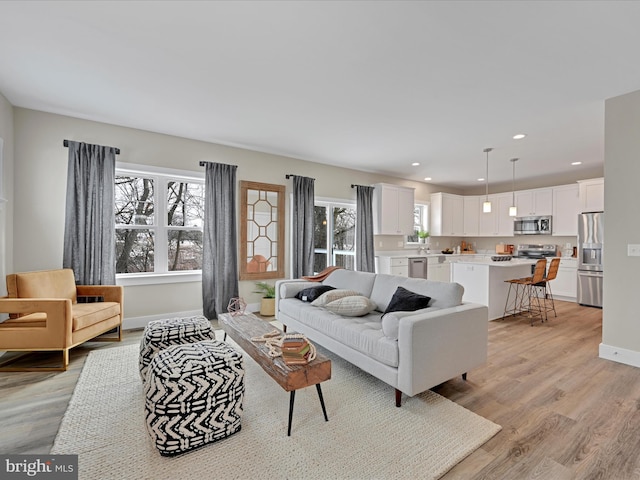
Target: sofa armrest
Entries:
(58, 325)
(437, 346)
(289, 288)
(111, 293)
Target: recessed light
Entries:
(427, 179)
(415, 164)
(576, 163)
(519, 136)
(481, 179)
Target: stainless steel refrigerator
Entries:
(590, 258)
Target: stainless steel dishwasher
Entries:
(418, 267)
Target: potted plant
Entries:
(422, 236)
(268, 303)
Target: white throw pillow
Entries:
(351, 306)
(332, 295)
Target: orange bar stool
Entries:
(525, 301)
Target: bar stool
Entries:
(545, 286)
(524, 300)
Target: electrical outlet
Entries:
(633, 250)
(400, 243)
(380, 243)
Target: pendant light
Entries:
(513, 210)
(486, 205)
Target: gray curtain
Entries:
(220, 253)
(302, 248)
(365, 257)
(89, 231)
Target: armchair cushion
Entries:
(43, 284)
(87, 314)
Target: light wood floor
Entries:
(565, 413)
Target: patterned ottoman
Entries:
(160, 334)
(193, 395)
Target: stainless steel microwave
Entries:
(532, 225)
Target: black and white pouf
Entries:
(160, 334)
(193, 395)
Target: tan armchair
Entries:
(45, 314)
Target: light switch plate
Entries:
(633, 250)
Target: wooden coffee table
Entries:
(241, 328)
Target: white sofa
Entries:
(411, 351)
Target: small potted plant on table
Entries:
(268, 303)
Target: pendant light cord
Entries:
(487, 150)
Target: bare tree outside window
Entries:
(134, 206)
(334, 236)
(138, 227)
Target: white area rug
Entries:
(366, 436)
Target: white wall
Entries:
(40, 185)
(621, 320)
(6, 177)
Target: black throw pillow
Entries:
(407, 301)
(311, 293)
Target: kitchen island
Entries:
(484, 281)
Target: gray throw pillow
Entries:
(352, 306)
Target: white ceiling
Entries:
(370, 85)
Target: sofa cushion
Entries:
(332, 295)
(87, 314)
(363, 334)
(311, 293)
(351, 306)
(404, 300)
(443, 294)
(362, 282)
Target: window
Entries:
(158, 219)
(334, 235)
(420, 222)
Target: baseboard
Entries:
(140, 322)
(134, 323)
(620, 355)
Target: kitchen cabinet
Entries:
(393, 265)
(446, 215)
(565, 285)
(393, 210)
(471, 216)
(534, 202)
(439, 268)
(591, 195)
(565, 210)
(497, 223)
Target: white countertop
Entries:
(514, 262)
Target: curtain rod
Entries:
(289, 175)
(353, 185)
(66, 144)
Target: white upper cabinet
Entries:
(534, 202)
(591, 195)
(565, 210)
(393, 210)
(471, 216)
(447, 217)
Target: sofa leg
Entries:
(464, 376)
(398, 397)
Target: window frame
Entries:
(161, 177)
(330, 203)
(425, 207)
